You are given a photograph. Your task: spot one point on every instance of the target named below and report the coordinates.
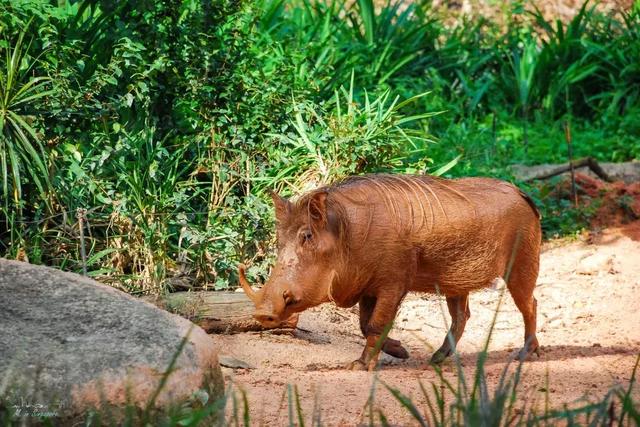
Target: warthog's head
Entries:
(308, 235)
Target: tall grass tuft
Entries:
(23, 159)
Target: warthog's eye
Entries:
(306, 236)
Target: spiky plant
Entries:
(22, 154)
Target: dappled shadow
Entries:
(557, 353)
(298, 335)
(420, 359)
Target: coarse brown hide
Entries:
(372, 239)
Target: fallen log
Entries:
(216, 312)
(589, 162)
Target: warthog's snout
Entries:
(267, 319)
(270, 311)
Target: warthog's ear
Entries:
(282, 205)
(318, 209)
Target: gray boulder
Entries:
(69, 343)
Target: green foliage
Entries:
(345, 137)
(169, 121)
(21, 150)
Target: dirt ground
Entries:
(588, 327)
(564, 10)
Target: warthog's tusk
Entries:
(253, 296)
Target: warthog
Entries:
(371, 239)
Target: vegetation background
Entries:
(147, 134)
(169, 121)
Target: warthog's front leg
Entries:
(391, 347)
(382, 311)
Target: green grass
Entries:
(22, 154)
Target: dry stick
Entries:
(567, 137)
(80, 214)
(587, 161)
(494, 125)
(525, 129)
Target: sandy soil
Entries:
(564, 10)
(588, 326)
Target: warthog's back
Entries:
(458, 235)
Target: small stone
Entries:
(232, 362)
(595, 264)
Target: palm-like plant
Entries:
(524, 68)
(22, 154)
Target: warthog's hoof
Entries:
(527, 353)
(530, 348)
(395, 349)
(356, 365)
(359, 365)
(439, 356)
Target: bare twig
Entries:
(81, 215)
(567, 137)
(589, 162)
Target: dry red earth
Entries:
(589, 329)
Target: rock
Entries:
(70, 344)
(595, 264)
(232, 362)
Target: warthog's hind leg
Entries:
(460, 313)
(521, 283)
(528, 308)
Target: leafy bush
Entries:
(168, 121)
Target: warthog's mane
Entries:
(419, 194)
